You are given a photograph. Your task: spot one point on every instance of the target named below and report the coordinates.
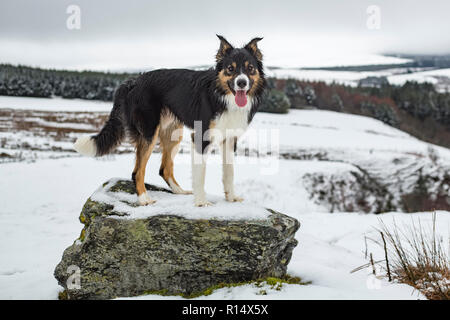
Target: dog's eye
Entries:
(250, 68)
(230, 69)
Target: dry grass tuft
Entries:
(418, 257)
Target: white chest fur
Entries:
(232, 122)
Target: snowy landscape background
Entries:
(43, 193)
(333, 171)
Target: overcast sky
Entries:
(155, 33)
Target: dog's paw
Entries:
(233, 198)
(144, 199)
(176, 188)
(179, 190)
(202, 203)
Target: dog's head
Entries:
(240, 70)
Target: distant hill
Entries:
(418, 61)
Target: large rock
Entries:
(171, 247)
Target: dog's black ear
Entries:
(225, 47)
(252, 46)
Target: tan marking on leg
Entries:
(167, 120)
(144, 149)
(170, 138)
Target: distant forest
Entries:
(416, 108)
(34, 82)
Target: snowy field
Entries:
(396, 76)
(54, 104)
(41, 199)
(440, 78)
(329, 76)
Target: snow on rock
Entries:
(120, 194)
(177, 251)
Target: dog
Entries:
(218, 104)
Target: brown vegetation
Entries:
(419, 257)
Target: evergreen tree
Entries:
(274, 101)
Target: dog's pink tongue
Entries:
(240, 98)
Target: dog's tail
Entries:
(112, 133)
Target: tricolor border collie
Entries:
(218, 104)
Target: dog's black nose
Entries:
(242, 83)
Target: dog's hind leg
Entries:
(170, 138)
(144, 149)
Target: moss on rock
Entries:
(272, 282)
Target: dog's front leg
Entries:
(198, 177)
(228, 147)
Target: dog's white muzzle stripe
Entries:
(244, 77)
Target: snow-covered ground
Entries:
(53, 104)
(424, 76)
(344, 77)
(40, 203)
(333, 130)
(440, 78)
